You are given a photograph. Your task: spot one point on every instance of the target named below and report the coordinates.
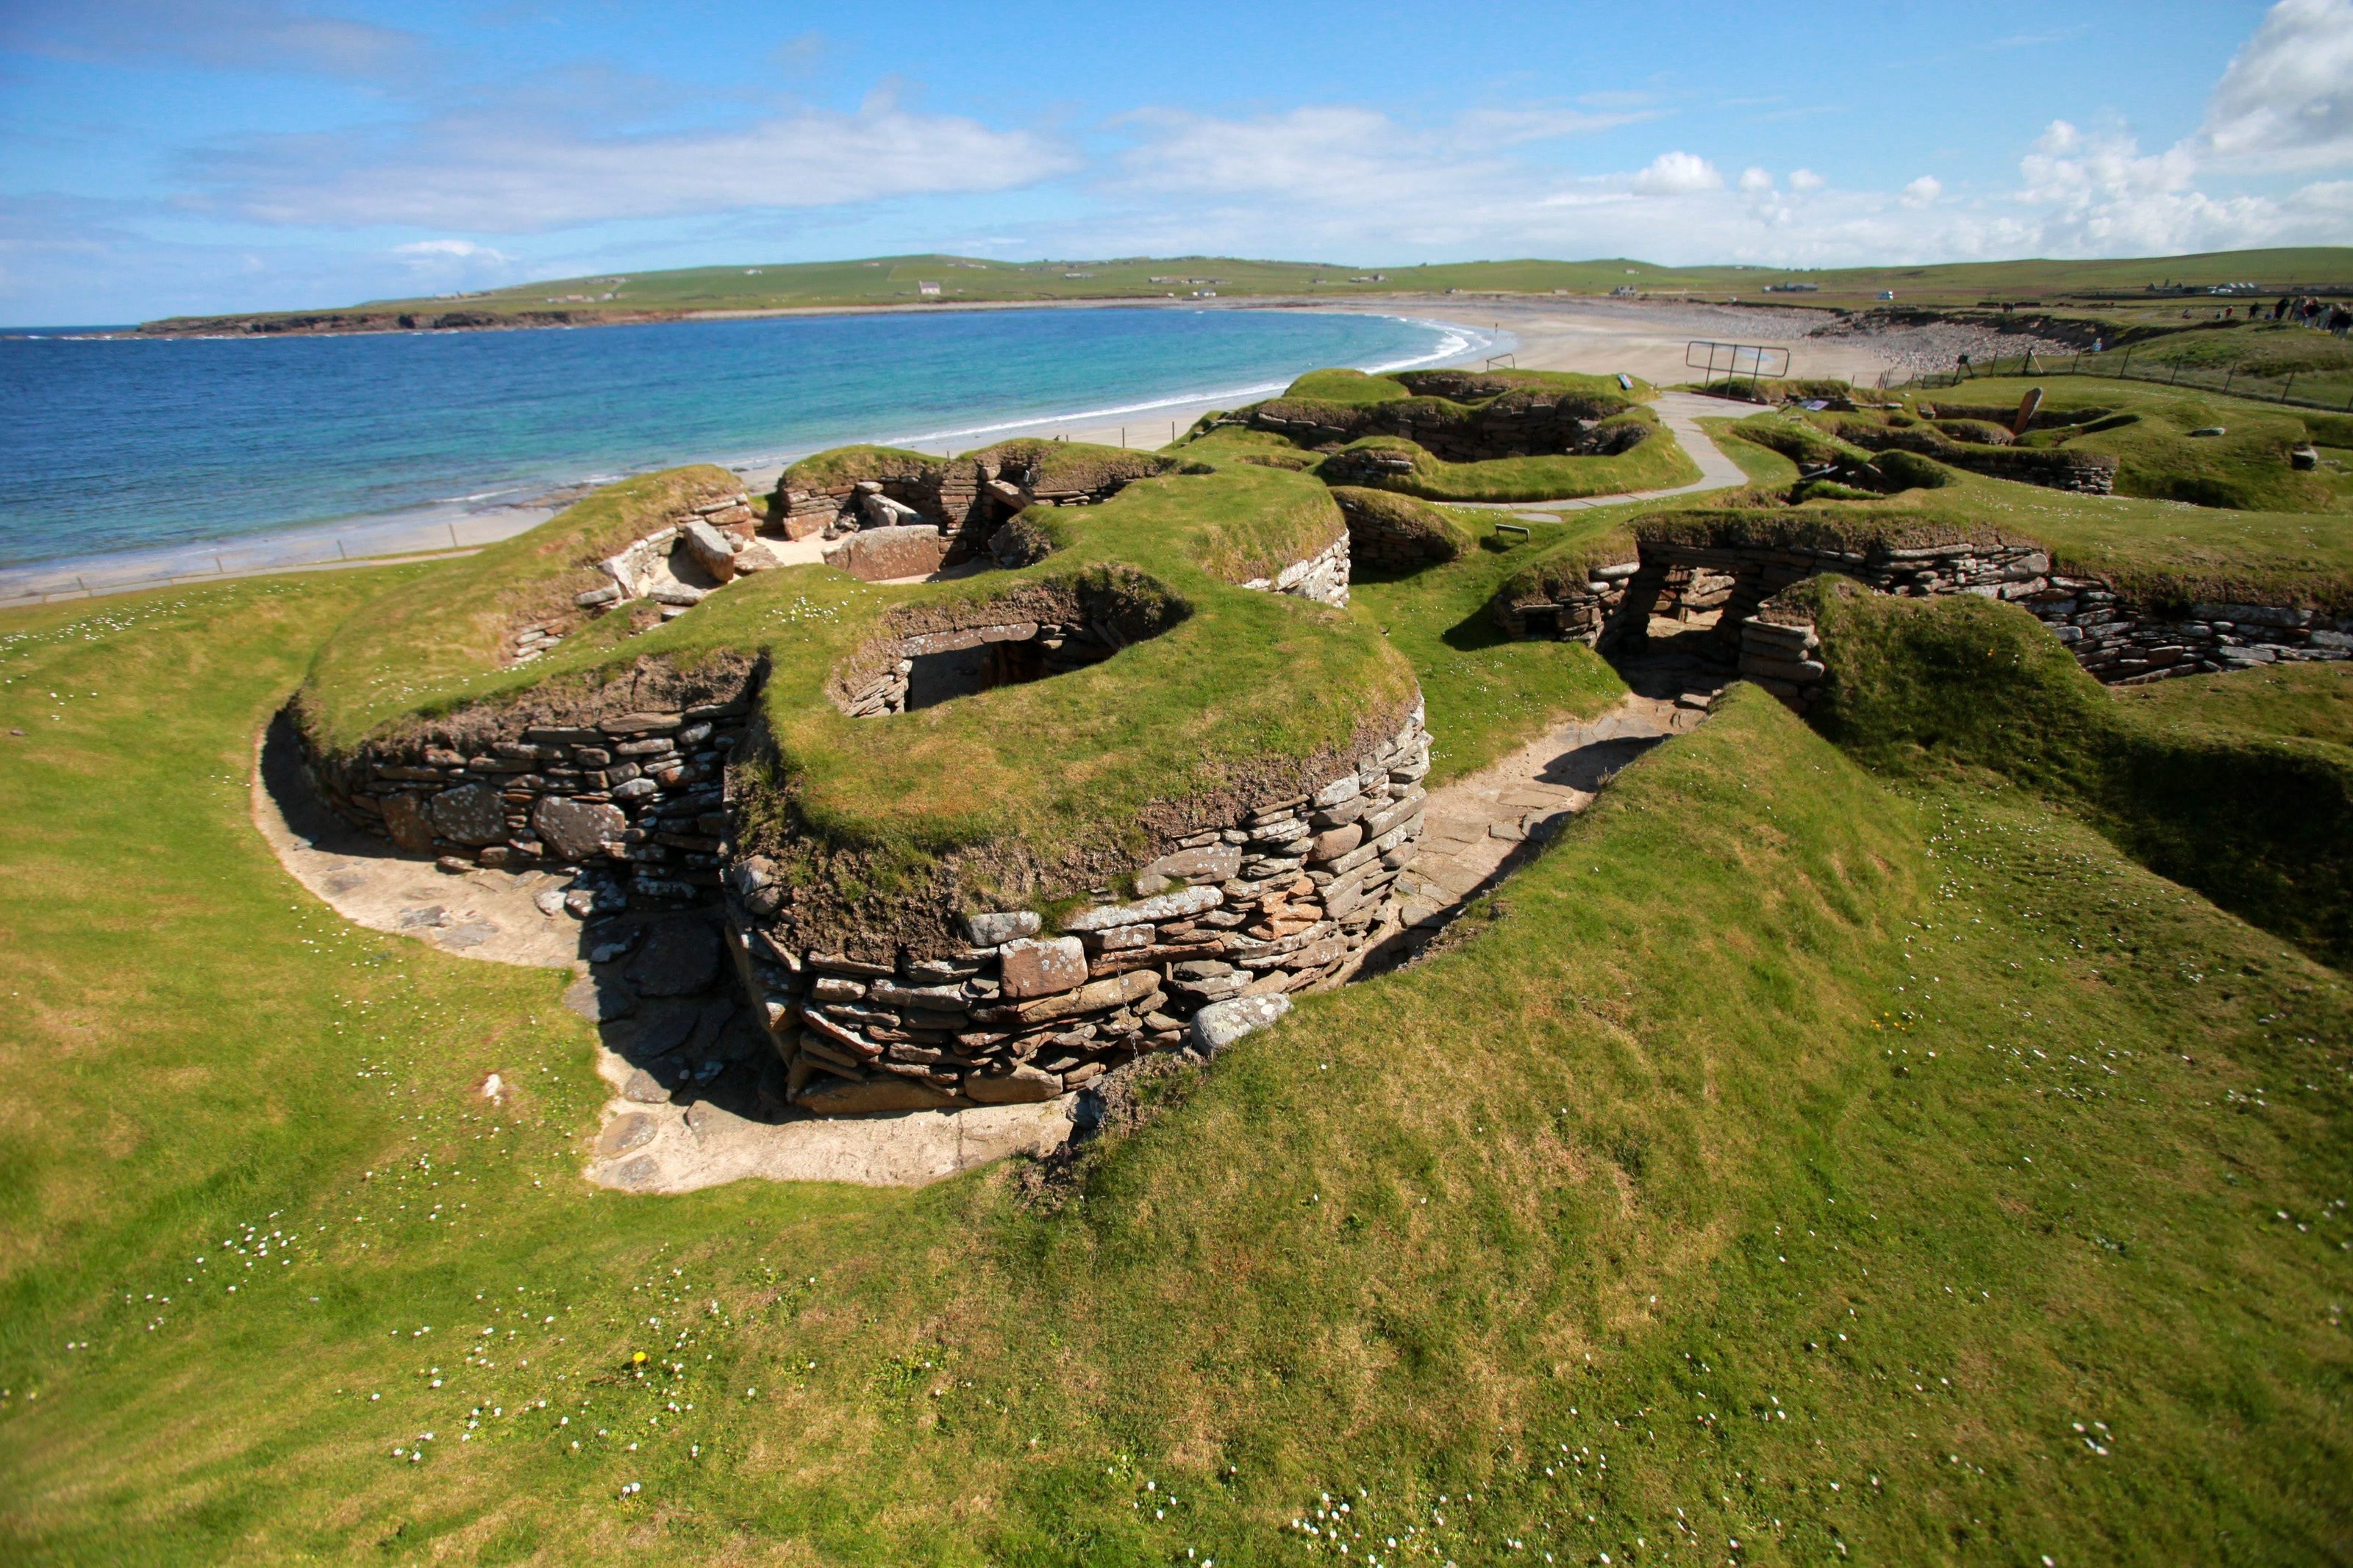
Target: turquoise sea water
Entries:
(112, 446)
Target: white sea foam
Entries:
(1455, 341)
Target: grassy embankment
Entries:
(1342, 412)
(2256, 357)
(896, 280)
(1244, 691)
(1782, 1159)
(2146, 428)
(2261, 825)
(2168, 551)
(2291, 701)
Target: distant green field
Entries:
(901, 281)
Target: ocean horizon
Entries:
(123, 446)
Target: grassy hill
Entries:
(1796, 1163)
(900, 281)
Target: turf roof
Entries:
(1248, 694)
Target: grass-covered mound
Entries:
(1462, 434)
(2262, 825)
(1644, 457)
(2291, 701)
(1822, 1158)
(2321, 363)
(1047, 467)
(1044, 788)
(2164, 553)
(1563, 563)
(438, 641)
(1384, 525)
(2144, 430)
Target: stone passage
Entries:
(1289, 896)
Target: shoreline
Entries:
(557, 320)
(452, 527)
(1574, 332)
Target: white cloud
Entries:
(1513, 127)
(452, 248)
(1923, 191)
(1803, 180)
(1678, 174)
(518, 167)
(1755, 181)
(239, 34)
(2285, 101)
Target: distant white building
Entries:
(928, 291)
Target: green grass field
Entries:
(899, 279)
(1796, 1163)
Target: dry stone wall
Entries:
(1288, 896)
(637, 800)
(1388, 542)
(1323, 576)
(1518, 424)
(966, 500)
(2116, 639)
(2057, 469)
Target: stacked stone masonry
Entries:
(679, 565)
(964, 501)
(1323, 576)
(1384, 545)
(637, 801)
(1289, 896)
(2057, 469)
(2113, 639)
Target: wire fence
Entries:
(381, 544)
(2331, 390)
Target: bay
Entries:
(111, 446)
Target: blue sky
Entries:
(159, 157)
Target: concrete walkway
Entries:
(1680, 413)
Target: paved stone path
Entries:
(1479, 829)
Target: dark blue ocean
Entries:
(109, 445)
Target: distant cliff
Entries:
(298, 323)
